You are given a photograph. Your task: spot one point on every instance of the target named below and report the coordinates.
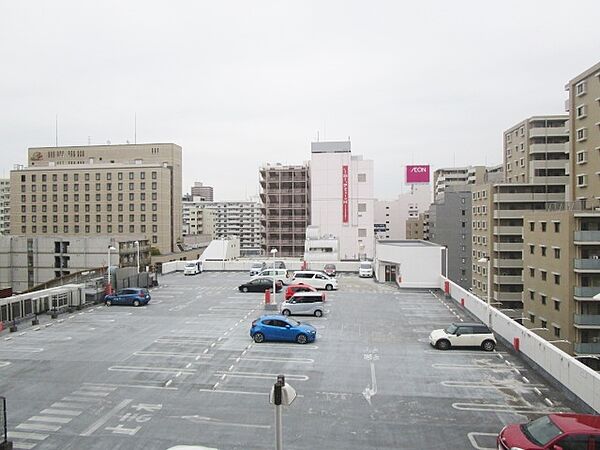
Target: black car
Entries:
(260, 285)
(329, 270)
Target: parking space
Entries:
(184, 370)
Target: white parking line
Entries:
(150, 369)
(274, 359)
(90, 393)
(65, 405)
(50, 419)
(61, 412)
(496, 408)
(37, 427)
(24, 435)
(172, 354)
(259, 375)
(474, 443)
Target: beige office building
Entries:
(418, 227)
(536, 151)
(285, 196)
(4, 206)
(106, 189)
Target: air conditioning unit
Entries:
(595, 257)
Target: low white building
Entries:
(342, 199)
(319, 247)
(409, 263)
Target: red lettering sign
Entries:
(345, 214)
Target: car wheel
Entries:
(488, 346)
(329, 287)
(258, 337)
(108, 303)
(136, 303)
(244, 289)
(285, 312)
(301, 339)
(318, 313)
(443, 344)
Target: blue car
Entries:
(128, 296)
(281, 328)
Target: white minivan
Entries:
(278, 274)
(192, 267)
(318, 280)
(308, 303)
(365, 269)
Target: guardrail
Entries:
(575, 376)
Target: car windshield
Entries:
(190, 264)
(541, 431)
(330, 266)
(256, 265)
(451, 329)
(293, 322)
(365, 266)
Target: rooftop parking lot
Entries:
(184, 370)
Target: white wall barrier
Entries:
(243, 265)
(575, 376)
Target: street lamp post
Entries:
(137, 244)
(489, 288)
(274, 252)
(110, 247)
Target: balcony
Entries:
(508, 230)
(513, 263)
(549, 148)
(587, 237)
(528, 197)
(587, 348)
(584, 265)
(550, 164)
(554, 131)
(586, 292)
(508, 279)
(508, 246)
(508, 296)
(586, 320)
(550, 180)
(509, 214)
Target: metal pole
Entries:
(108, 271)
(278, 427)
(137, 243)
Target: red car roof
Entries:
(579, 423)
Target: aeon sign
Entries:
(417, 174)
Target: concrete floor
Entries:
(183, 370)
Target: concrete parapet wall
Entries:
(575, 376)
(243, 265)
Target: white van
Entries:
(365, 269)
(318, 280)
(278, 274)
(192, 267)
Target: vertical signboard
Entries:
(345, 214)
(417, 174)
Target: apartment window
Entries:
(131, 217)
(142, 228)
(532, 272)
(580, 88)
(531, 226)
(531, 249)
(581, 111)
(557, 253)
(154, 228)
(131, 228)
(531, 295)
(543, 299)
(543, 248)
(556, 331)
(154, 175)
(143, 175)
(522, 161)
(120, 186)
(581, 157)
(362, 177)
(131, 186)
(120, 175)
(120, 218)
(557, 227)
(532, 318)
(131, 175)
(557, 305)
(581, 180)
(543, 226)
(154, 218)
(142, 196)
(120, 228)
(154, 239)
(556, 278)
(109, 228)
(543, 273)
(109, 176)
(154, 185)
(581, 134)
(154, 196)
(362, 207)
(120, 196)
(142, 186)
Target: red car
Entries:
(293, 288)
(553, 432)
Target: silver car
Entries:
(308, 303)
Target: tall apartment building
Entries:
(238, 219)
(198, 218)
(203, 192)
(342, 200)
(285, 197)
(27, 261)
(4, 206)
(450, 226)
(418, 227)
(562, 275)
(459, 176)
(100, 189)
(391, 216)
(536, 150)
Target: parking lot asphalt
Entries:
(184, 370)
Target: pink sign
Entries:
(345, 215)
(417, 174)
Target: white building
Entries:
(198, 218)
(4, 206)
(342, 202)
(391, 215)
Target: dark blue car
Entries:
(282, 328)
(128, 296)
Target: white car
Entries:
(463, 335)
(278, 274)
(192, 268)
(318, 280)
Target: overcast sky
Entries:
(241, 83)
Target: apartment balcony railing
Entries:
(508, 296)
(587, 236)
(587, 348)
(587, 264)
(548, 148)
(528, 197)
(514, 263)
(508, 279)
(548, 131)
(591, 320)
(509, 230)
(508, 246)
(586, 291)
